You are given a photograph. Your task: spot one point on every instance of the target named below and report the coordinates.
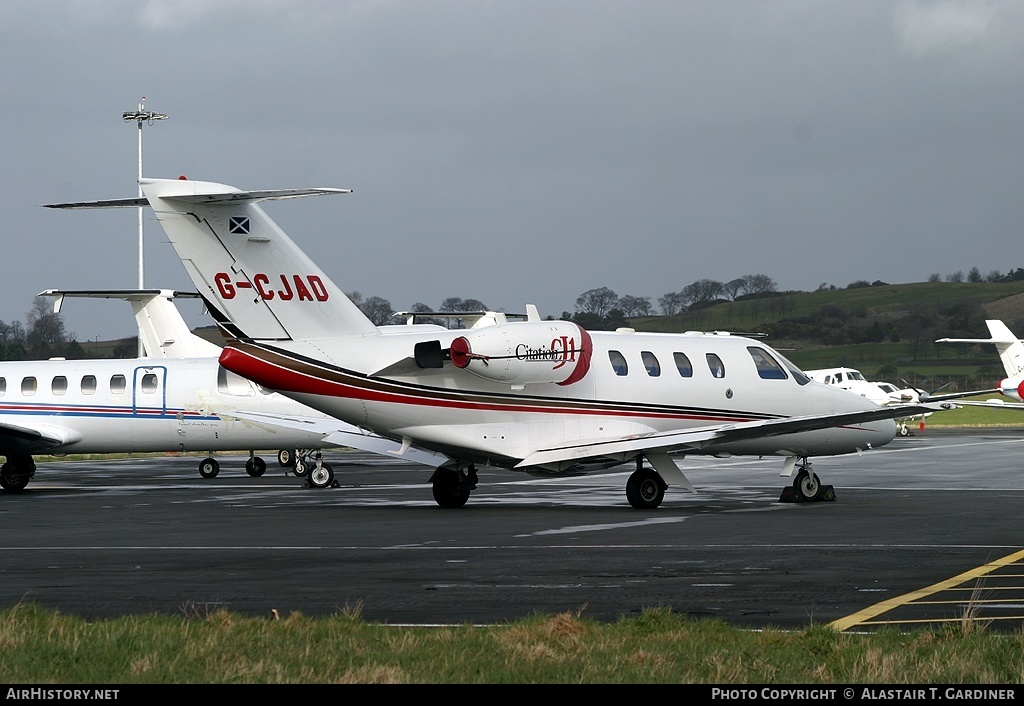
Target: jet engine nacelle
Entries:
(525, 352)
(1012, 388)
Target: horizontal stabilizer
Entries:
(223, 197)
(162, 329)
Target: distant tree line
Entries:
(603, 309)
(43, 334)
(381, 313)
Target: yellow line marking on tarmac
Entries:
(934, 621)
(865, 616)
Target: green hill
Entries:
(886, 331)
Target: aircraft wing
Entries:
(338, 433)
(996, 404)
(702, 437)
(19, 438)
(958, 395)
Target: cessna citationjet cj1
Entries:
(541, 397)
(179, 400)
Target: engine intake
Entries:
(525, 352)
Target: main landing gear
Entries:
(452, 486)
(209, 467)
(16, 472)
(299, 460)
(645, 489)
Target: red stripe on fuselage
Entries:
(583, 363)
(279, 376)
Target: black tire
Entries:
(287, 457)
(13, 480)
(645, 489)
(256, 467)
(447, 492)
(209, 468)
(807, 485)
(301, 468)
(321, 477)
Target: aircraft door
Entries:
(149, 391)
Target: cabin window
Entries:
(3, 386)
(117, 384)
(59, 385)
(767, 367)
(231, 384)
(149, 383)
(683, 365)
(716, 365)
(28, 386)
(618, 363)
(88, 384)
(651, 363)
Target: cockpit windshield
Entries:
(799, 375)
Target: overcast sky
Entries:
(521, 152)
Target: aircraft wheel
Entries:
(209, 468)
(807, 485)
(300, 468)
(321, 476)
(904, 431)
(645, 489)
(286, 457)
(447, 492)
(256, 467)
(12, 479)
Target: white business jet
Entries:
(179, 400)
(852, 380)
(882, 393)
(165, 334)
(540, 397)
(1011, 355)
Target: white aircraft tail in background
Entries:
(542, 397)
(162, 329)
(1011, 355)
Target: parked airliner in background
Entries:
(541, 397)
(183, 400)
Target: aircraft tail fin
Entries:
(162, 329)
(1010, 348)
(255, 280)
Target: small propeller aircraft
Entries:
(542, 397)
(180, 399)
